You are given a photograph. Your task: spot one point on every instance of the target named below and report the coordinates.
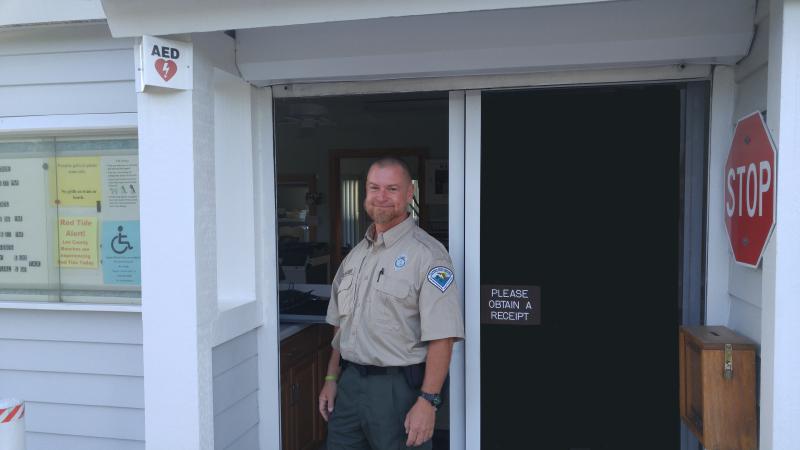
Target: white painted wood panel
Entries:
(106, 327)
(79, 98)
(745, 283)
(231, 353)
(235, 384)
(751, 94)
(745, 318)
(72, 357)
(235, 369)
(750, 75)
(612, 34)
(72, 388)
(248, 441)
(93, 421)
(50, 441)
(74, 38)
(43, 11)
(74, 67)
(234, 422)
(759, 53)
(158, 17)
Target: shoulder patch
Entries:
(441, 277)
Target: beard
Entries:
(381, 215)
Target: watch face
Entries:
(434, 399)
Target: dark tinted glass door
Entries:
(580, 195)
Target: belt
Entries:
(365, 370)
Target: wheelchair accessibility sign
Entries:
(121, 257)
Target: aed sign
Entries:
(750, 190)
(511, 305)
(164, 63)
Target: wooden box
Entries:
(718, 387)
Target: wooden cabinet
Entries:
(304, 362)
(718, 387)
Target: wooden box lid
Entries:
(715, 337)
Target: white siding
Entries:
(750, 74)
(77, 69)
(235, 369)
(80, 374)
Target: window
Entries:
(69, 220)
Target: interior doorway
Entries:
(581, 196)
(323, 147)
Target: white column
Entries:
(178, 261)
(780, 379)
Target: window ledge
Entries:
(236, 320)
(52, 306)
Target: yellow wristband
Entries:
(331, 378)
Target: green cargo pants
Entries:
(369, 412)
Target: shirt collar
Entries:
(392, 235)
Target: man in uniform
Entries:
(396, 311)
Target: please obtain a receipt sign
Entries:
(511, 305)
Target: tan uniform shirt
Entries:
(391, 295)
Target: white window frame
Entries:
(69, 125)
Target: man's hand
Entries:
(419, 423)
(326, 399)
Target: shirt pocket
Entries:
(344, 296)
(394, 305)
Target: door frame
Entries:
(464, 229)
(695, 104)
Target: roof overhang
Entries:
(128, 18)
(596, 35)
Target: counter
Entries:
(290, 329)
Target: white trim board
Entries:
(657, 74)
(456, 216)
(66, 124)
(472, 272)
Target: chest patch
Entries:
(400, 262)
(441, 277)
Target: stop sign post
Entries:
(750, 190)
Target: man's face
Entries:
(389, 192)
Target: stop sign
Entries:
(750, 190)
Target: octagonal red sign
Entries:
(750, 190)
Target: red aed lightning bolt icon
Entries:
(166, 68)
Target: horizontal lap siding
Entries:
(65, 70)
(750, 74)
(235, 370)
(80, 374)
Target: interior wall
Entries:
(306, 150)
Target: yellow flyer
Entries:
(77, 181)
(77, 242)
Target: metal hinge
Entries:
(728, 373)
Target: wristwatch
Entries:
(434, 399)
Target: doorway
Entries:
(323, 148)
(581, 196)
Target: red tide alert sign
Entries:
(750, 190)
(164, 63)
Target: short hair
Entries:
(386, 161)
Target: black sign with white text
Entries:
(511, 305)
